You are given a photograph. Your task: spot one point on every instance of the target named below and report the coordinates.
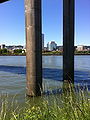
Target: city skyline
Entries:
(12, 22)
(42, 44)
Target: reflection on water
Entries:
(13, 73)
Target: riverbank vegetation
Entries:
(16, 52)
(5, 52)
(67, 106)
(61, 52)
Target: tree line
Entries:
(22, 52)
(12, 52)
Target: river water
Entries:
(13, 73)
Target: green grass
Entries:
(68, 106)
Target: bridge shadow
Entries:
(13, 69)
(81, 77)
(48, 73)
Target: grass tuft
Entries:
(67, 106)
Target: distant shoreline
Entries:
(60, 54)
(47, 55)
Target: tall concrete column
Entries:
(68, 40)
(33, 47)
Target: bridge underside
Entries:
(1, 1)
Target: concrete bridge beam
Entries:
(1, 1)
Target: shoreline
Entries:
(48, 55)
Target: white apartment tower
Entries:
(51, 46)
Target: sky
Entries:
(12, 22)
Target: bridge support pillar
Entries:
(33, 47)
(68, 40)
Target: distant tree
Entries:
(18, 51)
(4, 50)
(0, 52)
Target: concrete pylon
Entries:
(68, 40)
(33, 47)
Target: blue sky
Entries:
(12, 22)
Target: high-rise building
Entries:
(42, 41)
(51, 46)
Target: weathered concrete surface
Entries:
(68, 40)
(1, 1)
(33, 47)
